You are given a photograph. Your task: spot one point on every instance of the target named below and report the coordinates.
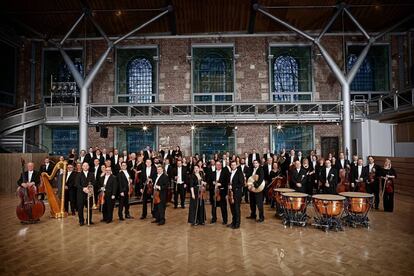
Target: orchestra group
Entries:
(160, 177)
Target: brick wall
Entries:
(175, 135)
(95, 140)
(327, 130)
(251, 137)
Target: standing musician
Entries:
(83, 179)
(246, 173)
(298, 181)
(310, 176)
(359, 175)
(328, 178)
(108, 185)
(267, 168)
(124, 182)
(197, 212)
(179, 175)
(148, 174)
(114, 160)
(220, 180)
(374, 173)
(210, 172)
(47, 167)
(387, 179)
(253, 156)
(70, 193)
(139, 166)
(161, 185)
(256, 199)
(236, 185)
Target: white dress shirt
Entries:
(232, 174)
(29, 176)
(179, 175)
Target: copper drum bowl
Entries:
(294, 201)
(328, 205)
(359, 203)
(279, 192)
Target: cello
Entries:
(30, 209)
(343, 186)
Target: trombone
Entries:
(90, 194)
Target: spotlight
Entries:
(235, 128)
(118, 13)
(279, 127)
(192, 127)
(144, 128)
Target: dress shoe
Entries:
(224, 223)
(182, 207)
(121, 219)
(155, 221)
(91, 223)
(213, 221)
(175, 207)
(230, 225)
(73, 213)
(142, 218)
(161, 223)
(260, 220)
(81, 224)
(251, 217)
(129, 217)
(235, 227)
(102, 220)
(108, 221)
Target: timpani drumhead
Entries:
(295, 194)
(283, 190)
(356, 194)
(328, 197)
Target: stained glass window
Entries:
(136, 139)
(139, 80)
(212, 139)
(297, 137)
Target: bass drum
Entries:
(250, 184)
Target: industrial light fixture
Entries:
(118, 13)
(192, 127)
(144, 128)
(235, 128)
(279, 127)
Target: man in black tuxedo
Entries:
(256, 199)
(108, 185)
(253, 156)
(180, 177)
(124, 182)
(148, 173)
(114, 161)
(220, 181)
(236, 184)
(374, 173)
(89, 157)
(359, 174)
(328, 178)
(29, 177)
(83, 179)
(131, 165)
(70, 192)
(147, 153)
(298, 178)
(47, 167)
(160, 184)
(267, 168)
(210, 173)
(246, 173)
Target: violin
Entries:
(30, 209)
(230, 196)
(150, 186)
(217, 195)
(156, 197)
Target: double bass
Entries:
(277, 182)
(30, 209)
(343, 186)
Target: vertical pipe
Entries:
(83, 119)
(346, 120)
(24, 128)
(33, 73)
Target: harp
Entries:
(56, 204)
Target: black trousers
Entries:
(256, 199)
(246, 194)
(145, 199)
(235, 208)
(108, 208)
(159, 210)
(123, 203)
(72, 199)
(376, 192)
(223, 207)
(82, 203)
(179, 190)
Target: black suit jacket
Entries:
(71, 180)
(83, 181)
(169, 171)
(354, 174)
(332, 180)
(260, 173)
(339, 166)
(250, 159)
(298, 177)
(246, 171)
(130, 168)
(89, 159)
(111, 185)
(184, 174)
(49, 170)
(237, 182)
(163, 182)
(223, 180)
(35, 178)
(144, 175)
(266, 172)
(123, 184)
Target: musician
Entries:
(139, 166)
(246, 172)
(298, 181)
(70, 196)
(268, 154)
(96, 169)
(300, 157)
(374, 173)
(125, 155)
(117, 167)
(81, 157)
(83, 179)
(318, 169)
(220, 181)
(292, 158)
(90, 157)
(105, 155)
(147, 153)
(114, 160)
(179, 175)
(124, 182)
(342, 163)
(310, 177)
(388, 175)
(329, 178)
(47, 167)
(253, 156)
(177, 152)
(131, 165)
(196, 212)
(168, 168)
(236, 184)
(267, 168)
(359, 174)
(161, 184)
(30, 177)
(210, 172)
(148, 174)
(354, 162)
(99, 156)
(108, 185)
(256, 199)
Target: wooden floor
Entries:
(61, 247)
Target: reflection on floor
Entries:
(61, 247)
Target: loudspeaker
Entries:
(97, 128)
(104, 132)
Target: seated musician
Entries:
(328, 178)
(31, 177)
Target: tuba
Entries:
(250, 184)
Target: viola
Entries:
(30, 209)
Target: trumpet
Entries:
(90, 194)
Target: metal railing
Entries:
(394, 102)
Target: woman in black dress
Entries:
(387, 181)
(196, 212)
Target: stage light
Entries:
(235, 128)
(144, 128)
(279, 127)
(118, 13)
(193, 127)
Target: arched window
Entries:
(364, 79)
(285, 77)
(212, 74)
(139, 80)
